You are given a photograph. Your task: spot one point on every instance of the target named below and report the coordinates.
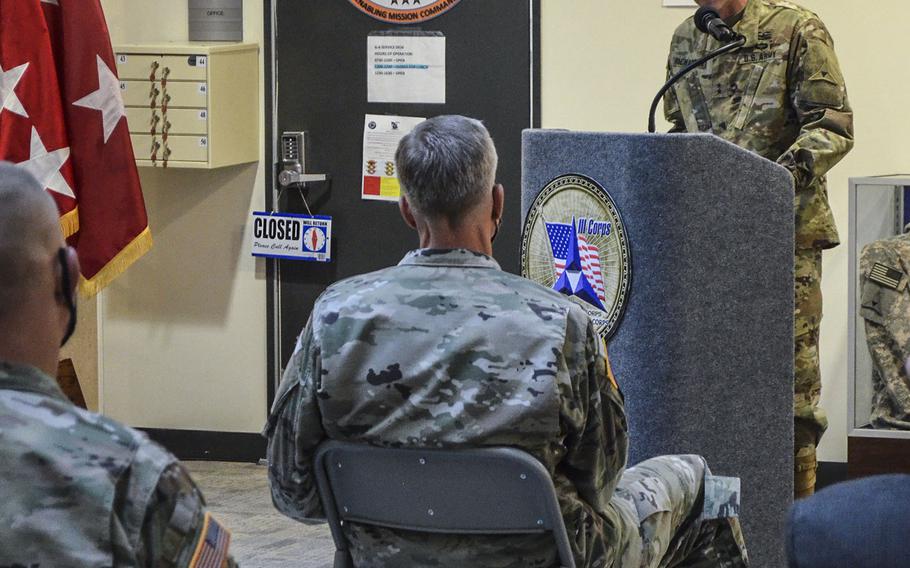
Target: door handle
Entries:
(293, 161)
(287, 178)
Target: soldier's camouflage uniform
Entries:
(783, 97)
(886, 310)
(447, 350)
(79, 489)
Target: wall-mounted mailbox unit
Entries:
(191, 105)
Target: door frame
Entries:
(273, 270)
(270, 158)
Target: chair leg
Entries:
(343, 559)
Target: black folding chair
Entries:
(471, 491)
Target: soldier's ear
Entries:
(406, 212)
(499, 199)
(68, 265)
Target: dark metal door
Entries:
(320, 86)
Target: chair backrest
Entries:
(462, 491)
(855, 524)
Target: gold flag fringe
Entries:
(117, 265)
(69, 223)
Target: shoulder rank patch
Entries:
(825, 76)
(212, 548)
(885, 276)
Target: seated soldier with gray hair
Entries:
(76, 488)
(447, 350)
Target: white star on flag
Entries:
(45, 166)
(8, 81)
(107, 99)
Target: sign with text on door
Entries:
(381, 134)
(406, 68)
(292, 236)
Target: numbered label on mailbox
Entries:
(292, 236)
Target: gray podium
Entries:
(704, 354)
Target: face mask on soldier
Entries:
(69, 293)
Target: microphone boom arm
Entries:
(732, 46)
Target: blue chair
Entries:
(463, 491)
(863, 523)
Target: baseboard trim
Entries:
(830, 473)
(249, 447)
(210, 446)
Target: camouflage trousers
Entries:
(810, 421)
(665, 498)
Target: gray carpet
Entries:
(238, 496)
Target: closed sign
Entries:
(292, 236)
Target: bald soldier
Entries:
(447, 350)
(76, 488)
(782, 96)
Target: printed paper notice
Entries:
(381, 135)
(406, 69)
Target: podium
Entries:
(704, 352)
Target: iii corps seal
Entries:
(574, 241)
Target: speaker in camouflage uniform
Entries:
(782, 96)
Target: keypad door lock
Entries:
(293, 161)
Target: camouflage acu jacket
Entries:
(885, 283)
(781, 96)
(447, 350)
(79, 489)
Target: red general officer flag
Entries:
(33, 131)
(113, 226)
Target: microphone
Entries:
(708, 21)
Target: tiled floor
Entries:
(238, 495)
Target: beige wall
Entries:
(183, 332)
(600, 72)
(82, 348)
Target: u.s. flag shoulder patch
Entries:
(886, 276)
(212, 547)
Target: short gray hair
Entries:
(445, 165)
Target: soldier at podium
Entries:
(782, 96)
